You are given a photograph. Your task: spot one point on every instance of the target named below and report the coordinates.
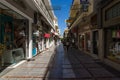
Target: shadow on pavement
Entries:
(54, 71)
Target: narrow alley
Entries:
(75, 65)
(61, 65)
(59, 40)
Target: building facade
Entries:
(110, 21)
(25, 29)
(96, 24)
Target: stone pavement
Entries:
(71, 65)
(32, 70)
(87, 68)
(76, 65)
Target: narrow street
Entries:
(75, 65)
(71, 65)
(56, 69)
(59, 40)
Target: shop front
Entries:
(81, 41)
(85, 38)
(35, 38)
(14, 36)
(113, 43)
(74, 34)
(111, 28)
(46, 40)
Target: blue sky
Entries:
(63, 13)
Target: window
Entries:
(113, 12)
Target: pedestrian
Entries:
(72, 44)
(67, 45)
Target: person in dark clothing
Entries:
(67, 45)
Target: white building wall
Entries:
(43, 10)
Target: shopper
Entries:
(67, 45)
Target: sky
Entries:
(63, 13)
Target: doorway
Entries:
(95, 42)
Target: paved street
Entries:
(71, 65)
(34, 69)
(76, 65)
(59, 40)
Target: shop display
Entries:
(114, 44)
(8, 35)
(2, 49)
(89, 45)
(118, 33)
(115, 33)
(34, 51)
(13, 56)
(40, 46)
(115, 50)
(12, 42)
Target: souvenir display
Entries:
(114, 44)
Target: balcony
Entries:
(81, 15)
(42, 8)
(78, 18)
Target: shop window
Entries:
(113, 44)
(113, 12)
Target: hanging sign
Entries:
(46, 35)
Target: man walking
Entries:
(67, 45)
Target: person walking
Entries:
(67, 45)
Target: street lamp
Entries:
(84, 1)
(85, 4)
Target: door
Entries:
(95, 42)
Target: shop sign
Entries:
(46, 35)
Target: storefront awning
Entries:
(46, 35)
